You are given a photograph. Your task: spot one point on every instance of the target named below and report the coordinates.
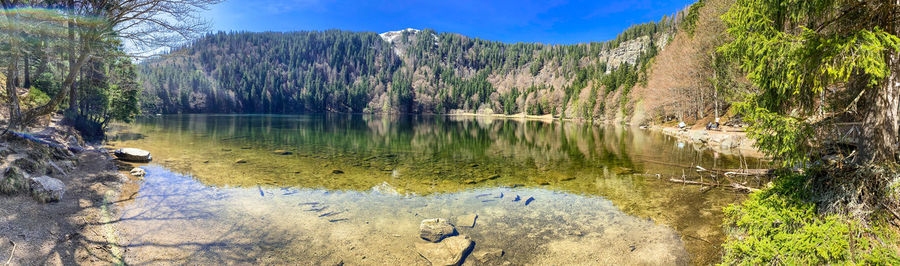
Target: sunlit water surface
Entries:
(351, 188)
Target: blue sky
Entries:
(553, 21)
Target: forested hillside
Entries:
(408, 71)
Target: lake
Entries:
(333, 189)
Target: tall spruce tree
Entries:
(817, 63)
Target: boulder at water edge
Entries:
(46, 189)
(133, 155)
(138, 172)
(435, 229)
(450, 251)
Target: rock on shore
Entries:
(133, 155)
(46, 189)
(138, 172)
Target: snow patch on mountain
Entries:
(399, 45)
(391, 36)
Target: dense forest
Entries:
(408, 71)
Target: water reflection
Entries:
(438, 156)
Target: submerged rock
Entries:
(46, 189)
(467, 220)
(435, 229)
(282, 152)
(488, 254)
(133, 155)
(451, 251)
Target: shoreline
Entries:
(519, 116)
(724, 141)
(728, 142)
(78, 228)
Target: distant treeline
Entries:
(419, 72)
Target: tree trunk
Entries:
(13, 94)
(881, 124)
(73, 95)
(27, 72)
(15, 73)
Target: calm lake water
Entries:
(326, 189)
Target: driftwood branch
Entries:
(675, 180)
(743, 188)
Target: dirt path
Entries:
(72, 231)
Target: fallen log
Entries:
(761, 172)
(735, 186)
(746, 171)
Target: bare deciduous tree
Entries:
(143, 26)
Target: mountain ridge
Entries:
(403, 71)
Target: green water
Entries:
(377, 167)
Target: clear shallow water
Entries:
(329, 188)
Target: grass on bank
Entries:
(782, 224)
